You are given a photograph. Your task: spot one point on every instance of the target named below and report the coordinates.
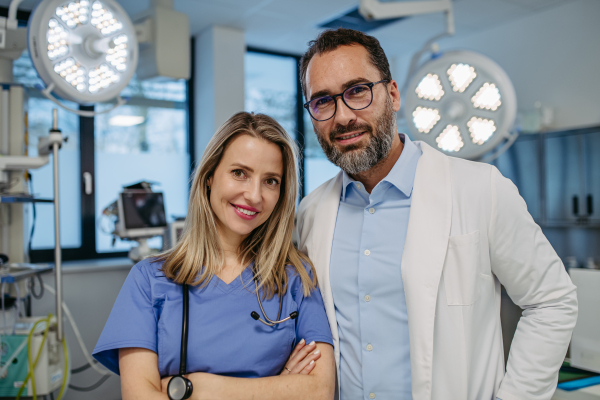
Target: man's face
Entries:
(354, 140)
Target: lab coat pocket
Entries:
(460, 269)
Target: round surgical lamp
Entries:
(85, 51)
(461, 103)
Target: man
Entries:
(411, 246)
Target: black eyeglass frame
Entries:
(334, 96)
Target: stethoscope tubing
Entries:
(268, 321)
(184, 331)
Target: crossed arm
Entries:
(140, 379)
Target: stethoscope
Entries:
(180, 387)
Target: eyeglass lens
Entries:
(356, 97)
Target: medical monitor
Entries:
(141, 214)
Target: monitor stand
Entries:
(138, 253)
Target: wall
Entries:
(219, 81)
(551, 56)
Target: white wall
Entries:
(552, 56)
(219, 81)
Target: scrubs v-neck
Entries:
(223, 337)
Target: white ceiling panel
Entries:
(287, 25)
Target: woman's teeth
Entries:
(247, 212)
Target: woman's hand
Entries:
(302, 360)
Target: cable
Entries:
(86, 354)
(32, 286)
(81, 369)
(34, 219)
(90, 388)
(31, 365)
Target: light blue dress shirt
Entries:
(366, 282)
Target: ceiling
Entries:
(287, 25)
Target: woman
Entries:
(238, 237)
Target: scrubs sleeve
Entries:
(132, 321)
(312, 323)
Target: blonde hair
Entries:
(199, 256)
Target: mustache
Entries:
(341, 129)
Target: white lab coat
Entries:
(468, 231)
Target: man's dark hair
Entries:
(330, 40)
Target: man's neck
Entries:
(373, 176)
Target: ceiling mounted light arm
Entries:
(47, 92)
(375, 9)
(12, 22)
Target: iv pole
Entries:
(53, 143)
(56, 138)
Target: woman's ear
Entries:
(209, 181)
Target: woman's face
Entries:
(245, 186)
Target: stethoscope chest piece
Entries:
(180, 388)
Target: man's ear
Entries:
(394, 92)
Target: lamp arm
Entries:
(47, 92)
(12, 23)
(512, 137)
(375, 9)
(414, 61)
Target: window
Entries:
(116, 150)
(318, 169)
(272, 87)
(145, 140)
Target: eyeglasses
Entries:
(357, 97)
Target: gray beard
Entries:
(360, 159)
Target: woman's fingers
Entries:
(311, 364)
(298, 355)
(308, 361)
(290, 363)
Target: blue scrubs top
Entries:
(223, 337)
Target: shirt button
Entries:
(371, 395)
(367, 298)
(371, 210)
(367, 252)
(358, 185)
(369, 347)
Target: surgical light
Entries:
(430, 88)
(450, 139)
(487, 97)
(84, 51)
(462, 103)
(425, 118)
(461, 76)
(481, 129)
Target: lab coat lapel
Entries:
(423, 260)
(322, 239)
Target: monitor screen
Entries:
(143, 210)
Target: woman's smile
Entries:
(244, 212)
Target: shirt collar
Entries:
(402, 174)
